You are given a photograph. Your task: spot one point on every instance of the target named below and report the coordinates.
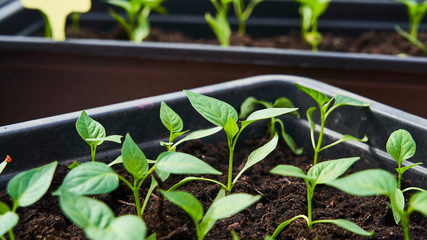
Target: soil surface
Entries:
(389, 43)
(282, 199)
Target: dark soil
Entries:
(370, 42)
(282, 199)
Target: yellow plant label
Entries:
(57, 12)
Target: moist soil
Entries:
(372, 42)
(282, 199)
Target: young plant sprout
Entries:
(4, 163)
(243, 13)
(93, 133)
(380, 182)
(225, 116)
(98, 220)
(416, 11)
(310, 11)
(219, 24)
(322, 173)
(55, 13)
(401, 146)
(222, 207)
(324, 102)
(137, 24)
(248, 106)
(25, 189)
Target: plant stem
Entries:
(230, 167)
(93, 152)
(185, 180)
(404, 222)
(135, 191)
(272, 127)
(319, 140)
(310, 190)
(11, 235)
(399, 180)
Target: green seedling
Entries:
(97, 178)
(219, 24)
(324, 102)
(98, 220)
(416, 11)
(248, 106)
(225, 116)
(243, 13)
(93, 133)
(222, 207)
(4, 163)
(55, 13)
(380, 182)
(310, 11)
(322, 173)
(173, 122)
(137, 24)
(401, 146)
(25, 189)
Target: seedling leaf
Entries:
(341, 100)
(290, 171)
(398, 204)
(346, 138)
(90, 178)
(198, 134)
(127, 227)
(170, 119)
(231, 129)
(182, 163)
(350, 226)
(319, 97)
(418, 202)
(28, 187)
(134, 159)
(187, 202)
(327, 171)
(401, 146)
(247, 107)
(111, 138)
(232, 204)
(267, 113)
(8, 221)
(89, 129)
(4, 208)
(367, 183)
(213, 110)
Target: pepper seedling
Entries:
(243, 14)
(98, 220)
(310, 11)
(55, 13)
(322, 173)
(374, 182)
(7, 160)
(248, 106)
(222, 207)
(93, 133)
(401, 146)
(324, 102)
(25, 189)
(219, 24)
(225, 116)
(137, 24)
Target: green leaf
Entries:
(418, 202)
(213, 110)
(290, 171)
(401, 146)
(84, 211)
(4, 208)
(187, 202)
(170, 119)
(74, 165)
(404, 169)
(345, 138)
(151, 237)
(112, 138)
(89, 128)
(398, 204)
(319, 97)
(182, 163)
(347, 225)
(127, 227)
(229, 205)
(8, 221)
(177, 134)
(267, 113)
(247, 107)
(142, 29)
(198, 134)
(258, 155)
(91, 178)
(341, 100)
(367, 183)
(231, 129)
(118, 160)
(134, 159)
(312, 125)
(208, 222)
(28, 187)
(283, 102)
(120, 3)
(328, 171)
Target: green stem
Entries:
(315, 41)
(93, 151)
(404, 222)
(11, 235)
(320, 139)
(147, 197)
(182, 182)
(2, 238)
(135, 191)
(399, 180)
(272, 127)
(310, 191)
(230, 168)
(284, 224)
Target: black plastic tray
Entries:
(41, 141)
(47, 78)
